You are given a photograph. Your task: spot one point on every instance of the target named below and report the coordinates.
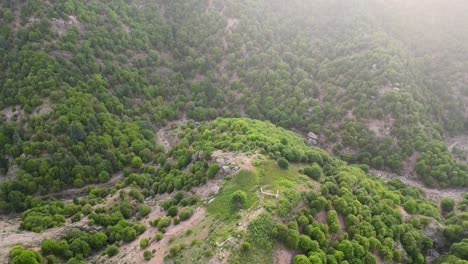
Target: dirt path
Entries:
(432, 194)
(11, 235)
(164, 135)
(83, 190)
(460, 141)
(162, 246)
(283, 255)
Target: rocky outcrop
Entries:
(312, 139)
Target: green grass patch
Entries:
(223, 206)
(277, 178)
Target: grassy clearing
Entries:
(281, 179)
(223, 206)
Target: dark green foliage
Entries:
(314, 171)
(128, 234)
(172, 211)
(282, 163)
(147, 255)
(185, 214)
(447, 205)
(245, 246)
(212, 170)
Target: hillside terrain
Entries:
(241, 131)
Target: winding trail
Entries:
(83, 190)
(432, 194)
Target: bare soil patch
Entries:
(322, 216)
(282, 255)
(61, 26)
(241, 160)
(381, 128)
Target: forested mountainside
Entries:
(87, 87)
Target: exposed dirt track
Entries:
(165, 137)
(83, 190)
(460, 141)
(282, 255)
(433, 194)
(11, 235)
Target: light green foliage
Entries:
(301, 259)
(239, 198)
(112, 250)
(164, 222)
(144, 210)
(20, 255)
(147, 255)
(144, 242)
(259, 231)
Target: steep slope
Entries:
(114, 72)
(318, 207)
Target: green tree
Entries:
(136, 162)
(314, 171)
(172, 211)
(301, 259)
(282, 163)
(292, 240)
(112, 250)
(239, 198)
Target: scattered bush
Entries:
(282, 163)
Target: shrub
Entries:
(245, 247)
(314, 171)
(136, 162)
(172, 211)
(128, 234)
(185, 214)
(144, 242)
(144, 210)
(239, 198)
(147, 255)
(447, 205)
(301, 259)
(164, 222)
(158, 236)
(212, 170)
(112, 250)
(282, 163)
